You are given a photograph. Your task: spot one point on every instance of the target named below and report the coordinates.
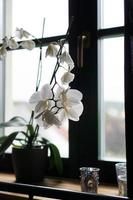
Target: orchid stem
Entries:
(60, 49)
(39, 72)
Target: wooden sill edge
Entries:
(70, 184)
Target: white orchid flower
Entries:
(70, 102)
(65, 57)
(71, 112)
(67, 78)
(20, 33)
(28, 44)
(41, 100)
(41, 97)
(51, 50)
(50, 119)
(43, 112)
(3, 52)
(12, 44)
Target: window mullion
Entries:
(117, 31)
(43, 41)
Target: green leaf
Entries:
(56, 158)
(7, 142)
(44, 141)
(31, 129)
(15, 121)
(2, 138)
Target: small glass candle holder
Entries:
(121, 172)
(89, 179)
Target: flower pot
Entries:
(29, 164)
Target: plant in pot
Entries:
(29, 151)
(51, 104)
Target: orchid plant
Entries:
(52, 103)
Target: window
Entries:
(83, 136)
(107, 18)
(103, 35)
(20, 65)
(111, 88)
(1, 69)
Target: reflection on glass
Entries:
(22, 86)
(30, 14)
(111, 13)
(112, 123)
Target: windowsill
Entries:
(68, 184)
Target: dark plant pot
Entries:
(29, 164)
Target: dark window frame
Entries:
(81, 136)
(84, 151)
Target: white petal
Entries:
(58, 92)
(41, 106)
(12, 44)
(75, 112)
(70, 97)
(67, 78)
(46, 92)
(39, 121)
(72, 102)
(51, 50)
(20, 33)
(35, 98)
(51, 104)
(72, 115)
(75, 94)
(29, 44)
(51, 118)
(46, 125)
(62, 115)
(79, 108)
(59, 104)
(71, 65)
(65, 57)
(3, 51)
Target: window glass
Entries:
(21, 85)
(30, 14)
(1, 68)
(21, 65)
(111, 13)
(111, 92)
(1, 20)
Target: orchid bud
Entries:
(51, 50)
(29, 44)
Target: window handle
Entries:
(83, 42)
